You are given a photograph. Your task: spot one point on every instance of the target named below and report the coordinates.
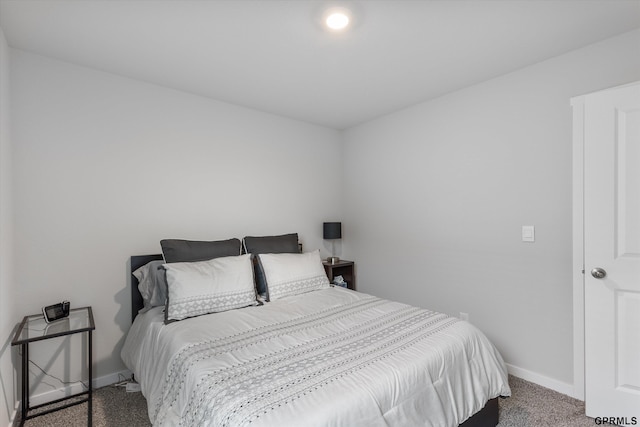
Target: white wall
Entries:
(436, 195)
(105, 167)
(7, 320)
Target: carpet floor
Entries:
(529, 406)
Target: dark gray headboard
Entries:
(138, 261)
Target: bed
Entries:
(328, 356)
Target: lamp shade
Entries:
(332, 230)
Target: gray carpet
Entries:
(529, 406)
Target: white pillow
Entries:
(220, 284)
(151, 285)
(292, 274)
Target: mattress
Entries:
(331, 357)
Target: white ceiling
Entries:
(274, 56)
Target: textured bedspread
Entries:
(331, 357)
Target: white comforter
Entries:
(331, 357)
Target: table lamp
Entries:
(332, 231)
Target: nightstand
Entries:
(343, 268)
(34, 328)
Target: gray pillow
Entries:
(176, 250)
(152, 285)
(285, 243)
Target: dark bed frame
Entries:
(485, 417)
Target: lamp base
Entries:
(333, 260)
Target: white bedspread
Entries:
(331, 357)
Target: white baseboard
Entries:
(48, 396)
(550, 383)
(12, 419)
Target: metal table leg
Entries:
(25, 382)
(90, 401)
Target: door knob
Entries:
(598, 273)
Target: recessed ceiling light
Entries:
(337, 19)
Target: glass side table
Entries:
(34, 328)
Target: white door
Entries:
(612, 247)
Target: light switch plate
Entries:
(528, 233)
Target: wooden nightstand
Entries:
(342, 268)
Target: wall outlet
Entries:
(464, 316)
(132, 387)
